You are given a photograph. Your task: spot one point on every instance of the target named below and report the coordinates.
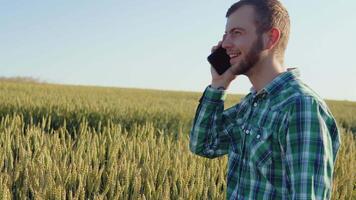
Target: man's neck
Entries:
(264, 72)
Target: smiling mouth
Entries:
(234, 55)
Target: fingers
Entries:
(216, 47)
(213, 72)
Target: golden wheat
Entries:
(66, 142)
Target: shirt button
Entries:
(247, 131)
(258, 136)
(255, 104)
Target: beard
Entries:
(252, 57)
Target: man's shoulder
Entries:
(295, 92)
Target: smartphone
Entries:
(219, 60)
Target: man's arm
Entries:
(208, 136)
(312, 141)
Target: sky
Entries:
(163, 44)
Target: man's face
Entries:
(241, 42)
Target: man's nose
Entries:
(226, 43)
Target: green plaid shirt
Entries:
(281, 142)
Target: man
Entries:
(281, 139)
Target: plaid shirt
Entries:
(281, 142)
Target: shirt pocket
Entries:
(259, 147)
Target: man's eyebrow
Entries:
(236, 28)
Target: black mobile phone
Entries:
(219, 60)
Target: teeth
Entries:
(234, 55)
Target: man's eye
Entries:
(236, 32)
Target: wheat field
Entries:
(76, 142)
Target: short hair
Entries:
(268, 14)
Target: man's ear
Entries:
(271, 38)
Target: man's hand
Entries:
(224, 79)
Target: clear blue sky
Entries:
(163, 44)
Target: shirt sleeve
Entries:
(312, 141)
(208, 136)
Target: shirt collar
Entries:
(277, 83)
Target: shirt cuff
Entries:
(213, 95)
